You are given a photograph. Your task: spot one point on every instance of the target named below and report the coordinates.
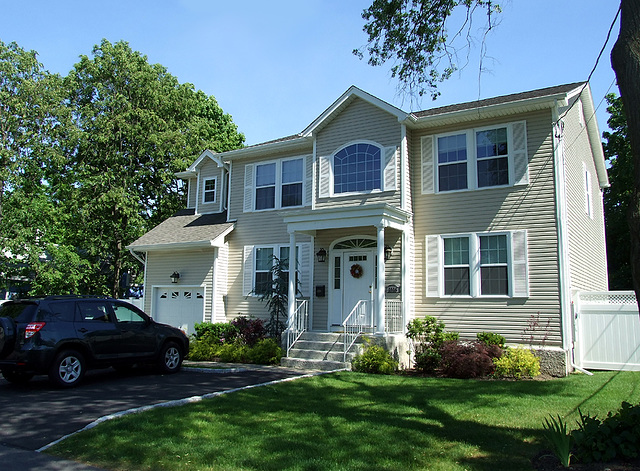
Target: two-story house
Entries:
(487, 215)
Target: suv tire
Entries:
(171, 358)
(67, 369)
(17, 377)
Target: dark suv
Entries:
(62, 336)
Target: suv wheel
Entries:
(170, 358)
(17, 377)
(67, 369)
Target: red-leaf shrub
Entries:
(460, 359)
(249, 330)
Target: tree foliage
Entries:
(89, 161)
(617, 150)
(414, 36)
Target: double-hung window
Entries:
(263, 274)
(274, 185)
(477, 158)
(477, 265)
(259, 260)
(209, 192)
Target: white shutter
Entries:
(432, 251)
(324, 184)
(519, 259)
(519, 152)
(247, 274)
(248, 188)
(390, 158)
(304, 268)
(427, 165)
(308, 181)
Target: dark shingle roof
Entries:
(185, 227)
(499, 100)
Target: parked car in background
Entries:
(63, 336)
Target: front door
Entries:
(355, 283)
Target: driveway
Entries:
(38, 414)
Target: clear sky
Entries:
(276, 65)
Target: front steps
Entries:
(320, 351)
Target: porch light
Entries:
(175, 276)
(322, 255)
(387, 252)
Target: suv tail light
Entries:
(32, 328)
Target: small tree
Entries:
(275, 291)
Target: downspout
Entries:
(563, 246)
(144, 280)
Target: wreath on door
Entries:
(356, 270)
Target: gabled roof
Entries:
(193, 168)
(185, 230)
(347, 97)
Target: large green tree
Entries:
(138, 126)
(413, 35)
(33, 124)
(617, 150)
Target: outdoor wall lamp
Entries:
(175, 276)
(322, 255)
(387, 252)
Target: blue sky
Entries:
(276, 65)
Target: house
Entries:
(487, 215)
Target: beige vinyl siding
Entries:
(359, 121)
(587, 251)
(207, 171)
(195, 268)
(192, 190)
(530, 208)
(221, 288)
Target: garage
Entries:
(180, 307)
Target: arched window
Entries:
(356, 168)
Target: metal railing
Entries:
(394, 319)
(358, 319)
(298, 324)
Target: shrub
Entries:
(265, 352)
(219, 333)
(427, 335)
(517, 363)
(615, 437)
(233, 352)
(489, 338)
(374, 359)
(555, 431)
(249, 330)
(467, 359)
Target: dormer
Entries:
(207, 184)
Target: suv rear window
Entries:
(20, 312)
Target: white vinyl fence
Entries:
(607, 331)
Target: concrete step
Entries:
(320, 351)
(322, 365)
(323, 355)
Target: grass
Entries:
(352, 421)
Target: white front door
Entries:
(356, 283)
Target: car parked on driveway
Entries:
(63, 336)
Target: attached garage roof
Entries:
(185, 230)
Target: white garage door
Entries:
(180, 308)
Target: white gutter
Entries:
(137, 257)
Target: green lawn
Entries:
(352, 421)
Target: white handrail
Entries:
(298, 324)
(359, 318)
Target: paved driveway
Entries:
(37, 414)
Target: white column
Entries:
(379, 305)
(291, 296)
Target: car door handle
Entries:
(83, 330)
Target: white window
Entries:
(475, 158)
(209, 192)
(274, 185)
(259, 260)
(477, 265)
(357, 168)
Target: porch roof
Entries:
(378, 215)
(185, 230)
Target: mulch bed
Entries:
(547, 461)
